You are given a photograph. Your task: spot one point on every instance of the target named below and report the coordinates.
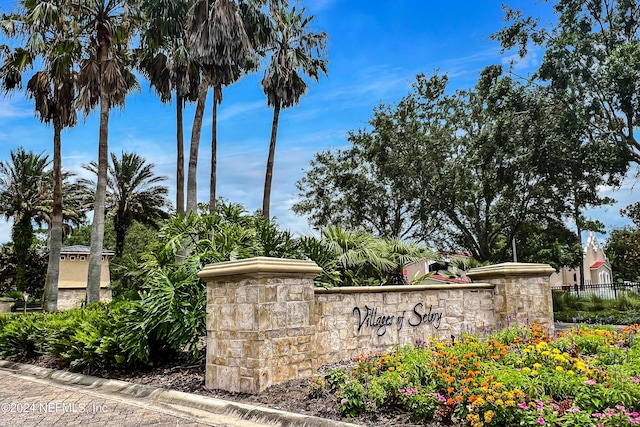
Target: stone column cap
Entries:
(259, 267)
(510, 269)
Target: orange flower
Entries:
(459, 398)
(450, 401)
(472, 398)
(450, 390)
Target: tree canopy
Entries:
(468, 170)
(592, 58)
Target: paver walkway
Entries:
(28, 401)
(33, 396)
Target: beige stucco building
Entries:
(597, 268)
(72, 281)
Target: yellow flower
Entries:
(510, 403)
(534, 372)
(490, 399)
(488, 416)
(559, 368)
(526, 369)
(537, 365)
(499, 402)
(570, 373)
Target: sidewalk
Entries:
(31, 396)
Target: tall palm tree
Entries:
(296, 50)
(104, 79)
(166, 60)
(223, 35)
(24, 184)
(47, 34)
(133, 194)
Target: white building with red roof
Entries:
(597, 268)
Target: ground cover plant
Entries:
(624, 309)
(517, 376)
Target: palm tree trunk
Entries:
(97, 228)
(266, 200)
(180, 157)
(192, 185)
(55, 233)
(217, 98)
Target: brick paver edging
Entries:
(243, 411)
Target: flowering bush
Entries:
(517, 376)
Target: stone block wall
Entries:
(260, 323)
(355, 320)
(266, 323)
(522, 292)
(69, 298)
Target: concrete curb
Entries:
(258, 414)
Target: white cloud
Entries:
(529, 62)
(13, 108)
(226, 112)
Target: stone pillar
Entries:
(522, 292)
(260, 323)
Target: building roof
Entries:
(598, 264)
(80, 249)
(446, 279)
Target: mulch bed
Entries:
(292, 396)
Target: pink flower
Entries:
(541, 421)
(344, 400)
(590, 382)
(523, 405)
(635, 379)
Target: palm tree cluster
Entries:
(26, 197)
(83, 57)
(347, 258)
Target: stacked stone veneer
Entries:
(69, 298)
(266, 323)
(522, 293)
(355, 320)
(260, 323)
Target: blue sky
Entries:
(375, 50)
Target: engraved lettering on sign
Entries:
(370, 318)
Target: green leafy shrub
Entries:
(351, 399)
(604, 317)
(173, 308)
(98, 336)
(20, 336)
